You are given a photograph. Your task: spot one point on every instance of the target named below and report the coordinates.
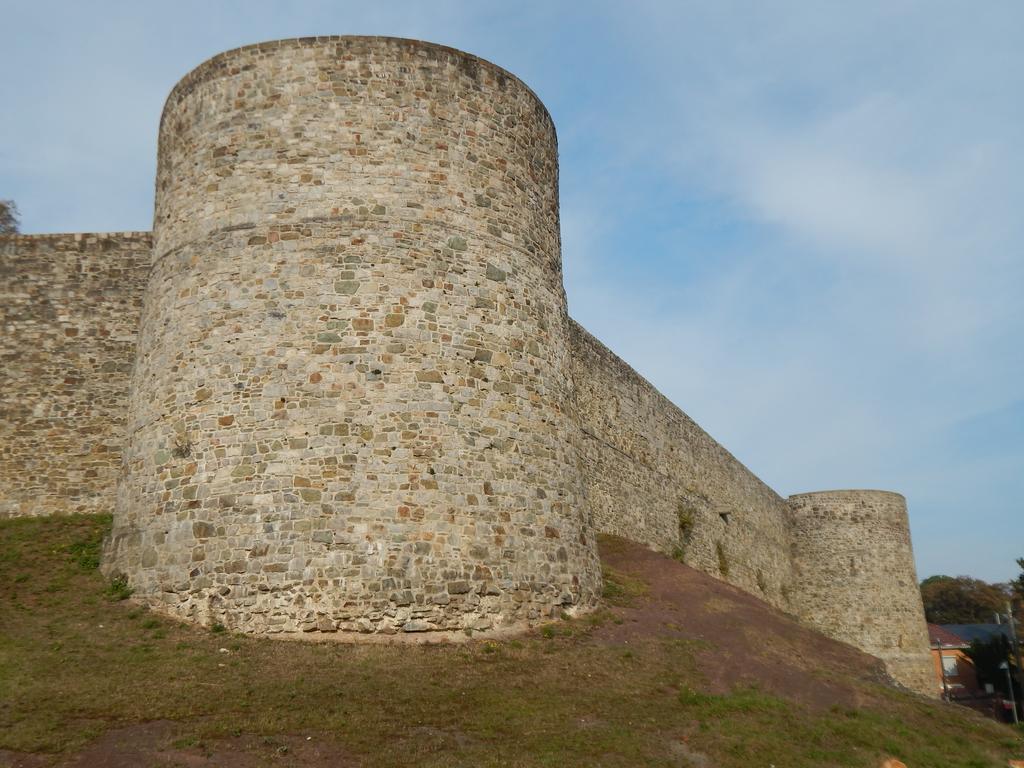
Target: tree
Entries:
(961, 600)
(988, 656)
(1016, 589)
(8, 217)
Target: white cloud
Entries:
(877, 147)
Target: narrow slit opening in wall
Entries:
(724, 517)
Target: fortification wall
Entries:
(652, 475)
(855, 579)
(350, 405)
(357, 403)
(69, 309)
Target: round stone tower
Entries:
(349, 405)
(854, 578)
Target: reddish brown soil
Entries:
(748, 642)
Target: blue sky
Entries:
(803, 222)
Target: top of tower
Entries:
(221, 62)
(851, 493)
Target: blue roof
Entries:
(982, 632)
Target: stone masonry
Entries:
(856, 581)
(357, 404)
(350, 402)
(653, 475)
(69, 310)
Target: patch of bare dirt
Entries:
(749, 643)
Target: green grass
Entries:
(74, 662)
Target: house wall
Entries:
(964, 682)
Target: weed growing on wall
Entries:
(117, 588)
(686, 517)
(723, 560)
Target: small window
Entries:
(949, 666)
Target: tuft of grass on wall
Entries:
(723, 560)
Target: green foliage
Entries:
(217, 628)
(961, 600)
(687, 518)
(117, 588)
(988, 657)
(748, 699)
(723, 560)
(8, 217)
(85, 550)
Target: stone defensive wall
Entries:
(654, 476)
(69, 313)
(357, 405)
(841, 561)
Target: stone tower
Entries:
(349, 408)
(854, 578)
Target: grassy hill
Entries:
(677, 670)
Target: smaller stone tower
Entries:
(854, 578)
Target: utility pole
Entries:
(1013, 699)
(1015, 644)
(942, 666)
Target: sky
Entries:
(802, 221)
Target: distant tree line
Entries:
(1018, 583)
(964, 600)
(8, 217)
